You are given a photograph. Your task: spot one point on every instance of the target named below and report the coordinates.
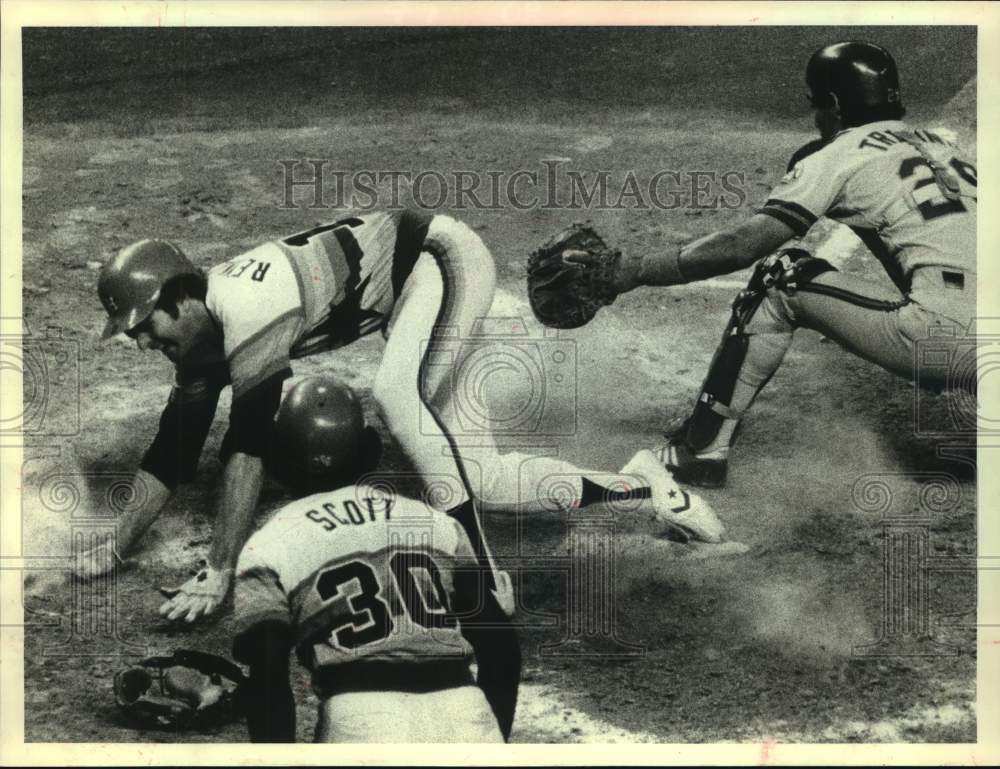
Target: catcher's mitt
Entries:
(185, 690)
(566, 294)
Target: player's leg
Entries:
(455, 715)
(448, 290)
(752, 347)
(420, 420)
(396, 392)
(873, 321)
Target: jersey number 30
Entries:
(366, 619)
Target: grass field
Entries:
(179, 134)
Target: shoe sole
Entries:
(705, 473)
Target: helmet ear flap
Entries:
(369, 453)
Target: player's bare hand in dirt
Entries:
(200, 596)
(96, 562)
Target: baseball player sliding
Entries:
(910, 194)
(381, 596)
(423, 281)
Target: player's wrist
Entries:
(661, 270)
(628, 274)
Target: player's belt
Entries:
(393, 676)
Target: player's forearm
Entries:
(718, 253)
(151, 494)
(266, 696)
(499, 676)
(715, 254)
(270, 706)
(241, 485)
(498, 659)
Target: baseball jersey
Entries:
(913, 189)
(316, 290)
(359, 577)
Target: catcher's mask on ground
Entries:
(185, 690)
(321, 441)
(129, 284)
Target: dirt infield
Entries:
(180, 134)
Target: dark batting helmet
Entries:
(859, 79)
(130, 283)
(320, 438)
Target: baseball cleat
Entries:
(673, 505)
(707, 470)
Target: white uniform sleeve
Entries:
(257, 299)
(808, 190)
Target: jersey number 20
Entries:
(416, 580)
(933, 207)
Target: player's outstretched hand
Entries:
(200, 596)
(96, 562)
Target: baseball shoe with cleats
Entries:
(706, 469)
(673, 505)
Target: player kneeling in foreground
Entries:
(382, 597)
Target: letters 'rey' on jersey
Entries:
(359, 576)
(316, 290)
(913, 189)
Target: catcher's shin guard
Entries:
(693, 454)
(685, 454)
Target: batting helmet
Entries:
(130, 283)
(860, 79)
(320, 438)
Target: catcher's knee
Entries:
(789, 269)
(774, 280)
